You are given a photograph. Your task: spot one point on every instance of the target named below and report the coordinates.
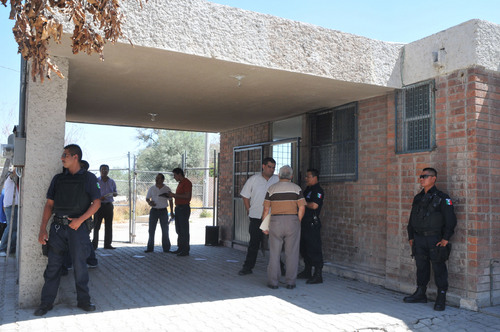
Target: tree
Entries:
(95, 23)
(164, 149)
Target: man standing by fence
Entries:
(108, 191)
(157, 198)
(182, 211)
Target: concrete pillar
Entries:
(45, 122)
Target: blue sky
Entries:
(387, 20)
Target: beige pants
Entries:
(285, 228)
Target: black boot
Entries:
(417, 297)
(440, 304)
(306, 274)
(317, 278)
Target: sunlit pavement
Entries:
(135, 291)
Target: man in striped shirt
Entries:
(287, 205)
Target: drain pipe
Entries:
(22, 99)
(492, 261)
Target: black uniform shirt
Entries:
(313, 194)
(91, 185)
(445, 208)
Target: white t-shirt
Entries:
(154, 194)
(8, 187)
(255, 189)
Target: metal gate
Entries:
(247, 161)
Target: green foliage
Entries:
(164, 149)
(205, 214)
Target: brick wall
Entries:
(364, 233)
(467, 158)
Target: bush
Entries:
(205, 214)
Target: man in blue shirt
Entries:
(108, 191)
(73, 197)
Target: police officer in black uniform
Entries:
(431, 225)
(310, 237)
(73, 197)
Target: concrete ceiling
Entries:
(188, 92)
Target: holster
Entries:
(90, 224)
(440, 254)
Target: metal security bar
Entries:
(334, 137)
(415, 129)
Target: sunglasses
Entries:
(64, 155)
(425, 176)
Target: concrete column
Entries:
(45, 123)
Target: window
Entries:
(334, 143)
(415, 118)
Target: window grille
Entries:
(334, 138)
(247, 162)
(415, 118)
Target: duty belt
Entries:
(64, 221)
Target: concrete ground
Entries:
(134, 291)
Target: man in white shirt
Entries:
(253, 194)
(157, 198)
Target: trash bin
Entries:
(212, 235)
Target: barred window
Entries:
(334, 143)
(415, 118)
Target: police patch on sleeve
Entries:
(98, 186)
(448, 201)
(320, 196)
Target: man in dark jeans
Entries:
(108, 191)
(182, 197)
(253, 194)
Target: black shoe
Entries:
(306, 274)
(272, 286)
(290, 286)
(109, 247)
(43, 309)
(245, 271)
(86, 306)
(417, 297)
(440, 304)
(183, 254)
(148, 250)
(175, 252)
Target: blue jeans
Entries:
(61, 240)
(154, 215)
(5, 236)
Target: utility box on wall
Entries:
(19, 151)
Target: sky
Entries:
(387, 20)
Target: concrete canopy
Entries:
(195, 74)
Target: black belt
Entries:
(429, 233)
(106, 203)
(64, 221)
